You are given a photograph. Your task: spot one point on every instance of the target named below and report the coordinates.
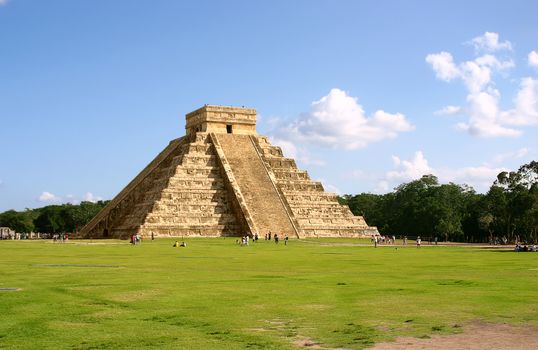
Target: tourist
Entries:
(405, 240)
(152, 236)
(265, 237)
(269, 235)
(533, 248)
(256, 237)
(176, 244)
(276, 238)
(418, 241)
(375, 242)
(286, 239)
(183, 244)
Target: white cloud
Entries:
(480, 177)
(90, 197)
(337, 120)
(533, 59)
(49, 197)
(406, 170)
(449, 110)
(485, 116)
(526, 104)
(443, 65)
(489, 42)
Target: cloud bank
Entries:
(337, 120)
(50, 198)
(480, 177)
(485, 116)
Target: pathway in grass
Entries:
(218, 295)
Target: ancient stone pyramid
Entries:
(223, 179)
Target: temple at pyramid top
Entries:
(224, 179)
(222, 120)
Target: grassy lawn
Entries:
(215, 294)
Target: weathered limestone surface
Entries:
(223, 179)
(261, 195)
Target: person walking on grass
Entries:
(286, 239)
(418, 241)
(276, 238)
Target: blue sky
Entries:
(364, 94)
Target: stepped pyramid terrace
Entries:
(223, 179)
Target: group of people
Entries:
(525, 248)
(268, 237)
(61, 237)
(177, 244)
(382, 239)
(136, 239)
(376, 239)
(275, 237)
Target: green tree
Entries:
(17, 221)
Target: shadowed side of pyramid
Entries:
(223, 179)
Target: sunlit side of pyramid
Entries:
(223, 179)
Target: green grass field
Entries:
(215, 294)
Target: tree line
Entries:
(52, 218)
(424, 207)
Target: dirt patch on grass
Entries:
(306, 342)
(136, 295)
(476, 336)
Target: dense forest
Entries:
(52, 218)
(508, 211)
(451, 212)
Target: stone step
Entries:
(290, 175)
(281, 163)
(335, 233)
(261, 196)
(304, 198)
(329, 222)
(308, 204)
(322, 212)
(198, 148)
(201, 171)
(212, 207)
(272, 151)
(190, 220)
(304, 186)
(191, 231)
